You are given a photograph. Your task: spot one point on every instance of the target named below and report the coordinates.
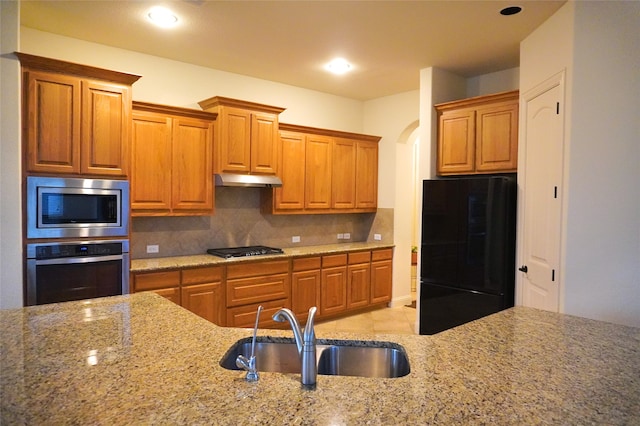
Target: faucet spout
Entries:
(305, 342)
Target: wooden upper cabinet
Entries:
(150, 181)
(291, 169)
(343, 187)
(497, 137)
(318, 172)
(172, 163)
(246, 136)
(106, 121)
(366, 175)
(76, 118)
(456, 142)
(324, 171)
(478, 135)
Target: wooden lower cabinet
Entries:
(229, 295)
(249, 285)
(245, 316)
(165, 283)
(203, 294)
(381, 275)
(172, 294)
(333, 292)
(305, 285)
(358, 279)
(199, 290)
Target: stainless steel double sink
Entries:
(363, 358)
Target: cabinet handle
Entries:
(523, 268)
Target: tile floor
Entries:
(397, 320)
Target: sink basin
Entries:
(334, 357)
(364, 361)
(276, 355)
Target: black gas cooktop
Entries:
(230, 252)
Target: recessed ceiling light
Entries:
(162, 17)
(511, 10)
(338, 66)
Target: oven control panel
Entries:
(60, 250)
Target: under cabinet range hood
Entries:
(253, 181)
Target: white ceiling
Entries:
(388, 42)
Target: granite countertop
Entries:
(161, 263)
(139, 359)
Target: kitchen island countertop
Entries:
(139, 359)
(200, 260)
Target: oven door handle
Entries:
(72, 260)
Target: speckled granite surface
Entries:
(139, 359)
(160, 263)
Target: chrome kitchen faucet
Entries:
(306, 343)
(249, 364)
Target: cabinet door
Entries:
(343, 174)
(358, 287)
(235, 140)
(366, 175)
(456, 142)
(333, 294)
(381, 281)
(106, 120)
(318, 172)
(166, 284)
(497, 138)
(192, 170)
(290, 196)
(305, 292)
(205, 300)
(151, 163)
(264, 143)
(53, 123)
(245, 316)
(172, 294)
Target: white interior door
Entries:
(542, 219)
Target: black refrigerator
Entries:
(467, 253)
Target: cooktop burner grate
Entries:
(230, 252)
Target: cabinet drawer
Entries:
(334, 260)
(245, 270)
(245, 316)
(202, 275)
(243, 291)
(156, 280)
(384, 254)
(359, 257)
(306, 263)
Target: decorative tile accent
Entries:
(238, 221)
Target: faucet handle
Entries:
(309, 334)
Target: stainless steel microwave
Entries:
(77, 208)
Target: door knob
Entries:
(523, 268)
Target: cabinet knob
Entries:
(523, 268)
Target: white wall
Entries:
(10, 160)
(180, 84)
(603, 231)
(391, 117)
(596, 43)
(495, 82)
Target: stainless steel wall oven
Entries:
(68, 270)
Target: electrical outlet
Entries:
(153, 248)
(347, 236)
(377, 237)
(340, 236)
(295, 239)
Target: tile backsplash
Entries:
(238, 222)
